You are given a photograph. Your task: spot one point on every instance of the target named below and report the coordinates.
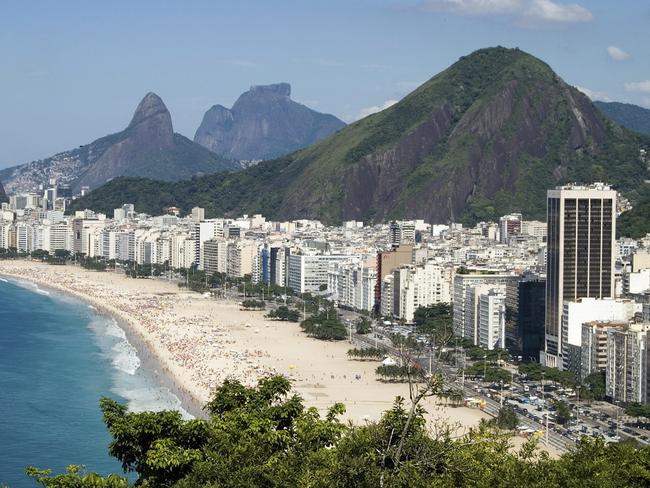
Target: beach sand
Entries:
(199, 341)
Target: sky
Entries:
(74, 71)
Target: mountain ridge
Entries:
(487, 136)
(147, 147)
(263, 123)
(628, 115)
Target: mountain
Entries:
(487, 136)
(3, 195)
(147, 147)
(628, 115)
(264, 123)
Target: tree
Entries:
(507, 419)
(75, 477)
(264, 436)
(637, 410)
(325, 325)
(363, 326)
(594, 386)
(562, 412)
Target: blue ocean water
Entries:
(57, 358)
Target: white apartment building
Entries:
(581, 311)
(466, 326)
(534, 228)
(627, 364)
(307, 273)
(84, 231)
(422, 285)
(636, 282)
(242, 255)
(492, 318)
(594, 345)
(352, 284)
(5, 230)
(215, 255)
(387, 296)
(202, 231)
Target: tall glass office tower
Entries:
(580, 254)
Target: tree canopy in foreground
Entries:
(266, 437)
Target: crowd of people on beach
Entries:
(189, 346)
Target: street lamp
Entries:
(484, 367)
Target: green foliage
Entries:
(75, 477)
(594, 386)
(532, 139)
(263, 436)
(8, 253)
(628, 115)
(637, 410)
(507, 419)
(325, 325)
(372, 353)
(400, 374)
(537, 372)
(254, 304)
(95, 264)
(635, 223)
(363, 326)
(562, 412)
(492, 373)
(285, 313)
(40, 254)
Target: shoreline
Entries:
(149, 360)
(195, 343)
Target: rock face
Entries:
(628, 115)
(487, 136)
(264, 123)
(3, 195)
(147, 147)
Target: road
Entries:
(555, 440)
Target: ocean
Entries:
(58, 357)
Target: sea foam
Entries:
(137, 386)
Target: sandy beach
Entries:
(199, 341)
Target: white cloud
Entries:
(472, 7)
(617, 54)
(646, 102)
(364, 112)
(548, 11)
(528, 13)
(637, 86)
(593, 94)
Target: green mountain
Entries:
(147, 147)
(484, 137)
(628, 115)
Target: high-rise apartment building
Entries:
(580, 254)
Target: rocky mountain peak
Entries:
(151, 106)
(276, 90)
(264, 123)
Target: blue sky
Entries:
(73, 71)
